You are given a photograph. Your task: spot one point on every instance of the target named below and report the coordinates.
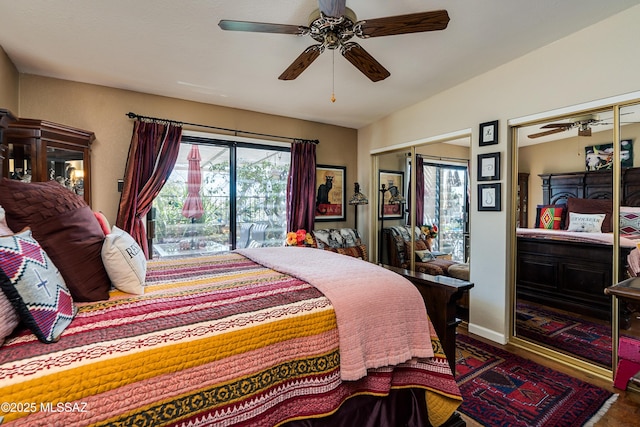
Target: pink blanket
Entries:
(381, 316)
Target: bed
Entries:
(570, 270)
(260, 337)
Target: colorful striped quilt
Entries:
(217, 340)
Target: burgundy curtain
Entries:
(419, 192)
(152, 155)
(301, 186)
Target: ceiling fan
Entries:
(583, 123)
(333, 25)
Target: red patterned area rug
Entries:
(502, 389)
(578, 337)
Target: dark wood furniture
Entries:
(440, 294)
(41, 151)
(6, 118)
(522, 215)
(571, 275)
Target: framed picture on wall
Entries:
(600, 157)
(489, 133)
(489, 167)
(393, 182)
(489, 197)
(330, 193)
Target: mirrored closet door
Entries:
(576, 181)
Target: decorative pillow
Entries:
(336, 238)
(424, 256)
(419, 245)
(585, 223)
(66, 228)
(124, 261)
(592, 206)
(4, 228)
(104, 222)
(9, 319)
(550, 217)
(629, 220)
(35, 286)
(359, 251)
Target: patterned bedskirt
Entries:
(217, 340)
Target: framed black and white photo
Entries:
(489, 133)
(393, 182)
(330, 193)
(489, 197)
(489, 167)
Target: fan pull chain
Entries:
(333, 75)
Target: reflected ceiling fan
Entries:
(583, 123)
(333, 25)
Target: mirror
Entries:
(436, 202)
(566, 229)
(629, 255)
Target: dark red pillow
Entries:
(66, 228)
(589, 206)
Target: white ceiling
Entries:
(175, 48)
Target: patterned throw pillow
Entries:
(359, 251)
(125, 261)
(550, 217)
(629, 220)
(34, 286)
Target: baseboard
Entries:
(487, 333)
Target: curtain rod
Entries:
(234, 131)
(432, 157)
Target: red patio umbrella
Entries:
(192, 207)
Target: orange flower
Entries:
(292, 238)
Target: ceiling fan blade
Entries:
(364, 62)
(261, 27)
(404, 24)
(302, 62)
(334, 8)
(563, 126)
(548, 132)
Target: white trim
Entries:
(234, 138)
(487, 333)
(433, 139)
(620, 99)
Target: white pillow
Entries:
(124, 261)
(4, 228)
(585, 223)
(424, 256)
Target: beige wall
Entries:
(102, 110)
(9, 79)
(545, 79)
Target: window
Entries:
(446, 205)
(243, 194)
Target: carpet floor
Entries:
(503, 389)
(578, 337)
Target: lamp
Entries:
(357, 199)
(395, 199)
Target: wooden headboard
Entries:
(558, 187)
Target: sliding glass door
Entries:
(241, 191)
(446, 205)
